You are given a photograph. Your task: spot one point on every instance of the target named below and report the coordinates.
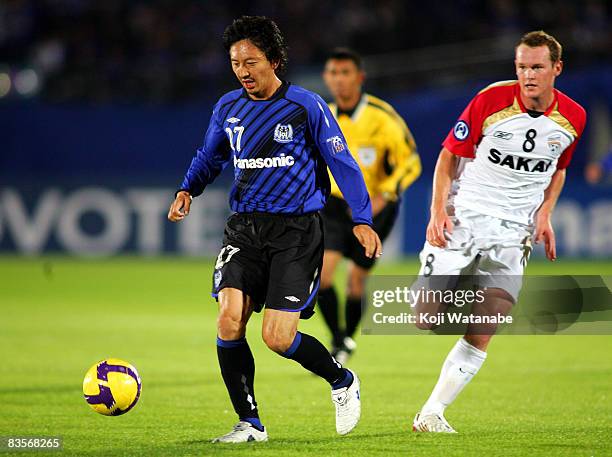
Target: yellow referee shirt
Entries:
(382, 145)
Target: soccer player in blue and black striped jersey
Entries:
(280, 138)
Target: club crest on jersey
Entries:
(283, 133)
(554, 144)
(461, 130)
(336, 144)
(367, 155)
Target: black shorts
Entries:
(275, 259)
(339, 230)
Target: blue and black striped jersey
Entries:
(280, 149)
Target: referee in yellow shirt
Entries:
(386, 152)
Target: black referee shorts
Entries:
(275, 259)
(338, 227)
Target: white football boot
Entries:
(435, 423)
(348, 406)
(243, 432)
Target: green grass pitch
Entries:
(535, 395)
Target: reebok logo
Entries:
(268, 162)
(503, 135)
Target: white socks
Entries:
(460, 366)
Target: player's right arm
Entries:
(461, 141)
(205, 166)
(439, 220)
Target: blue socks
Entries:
(345, 381)
(238, 371)
(255, 422)
(312, 355)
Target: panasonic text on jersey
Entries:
(267, 162)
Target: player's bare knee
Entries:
(498, 294)
(330, 261)
(327, 278)
(327, 281)
(496, 300)
(277, 340)
(229, 326)
(356, 281)
(423, 311)
(422, 324)
(355, 289)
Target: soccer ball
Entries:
(112, 387)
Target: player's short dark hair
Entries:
(263, 33)
(345, 54)
(539, 38)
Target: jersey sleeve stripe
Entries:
(560, 119)
(504, 113)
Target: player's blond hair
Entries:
(539, 38)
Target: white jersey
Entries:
(508, 154)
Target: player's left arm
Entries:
(403, 158)
(544, 229)
(332, 145)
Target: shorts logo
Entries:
(218, 277)
(283, 133)
(292, 298)
(554, 144)
(367, 155)
(233, 120)
(503, 135)
(527, 248)
(461, 130)
(224, 256)
(336, 145)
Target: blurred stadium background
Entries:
(102, 105)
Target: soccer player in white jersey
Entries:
(496, 183)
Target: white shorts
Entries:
(495, 249)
